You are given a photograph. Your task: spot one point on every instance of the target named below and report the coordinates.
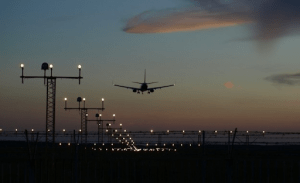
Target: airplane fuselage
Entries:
(144, 87)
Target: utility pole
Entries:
(84, 116)
(50, 82)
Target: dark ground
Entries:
(18, 163)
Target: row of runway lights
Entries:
(64, 130)
(133, 149)
(216, 131)
(168, 131)
(112, 144)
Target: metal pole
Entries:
(44, 77)
(228, 142)
(98, 130)
(102, 132)
(203, 140)
(233, 142)
(22, 74)
(47, 113)
(79, 74)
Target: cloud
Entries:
(174, 21)
(229, 84)
(287, 79)
(272, 18)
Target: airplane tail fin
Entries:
(145, 76)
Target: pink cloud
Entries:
(229, 84)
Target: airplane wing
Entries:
(127, 87)
(160, 87)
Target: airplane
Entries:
(144, 86)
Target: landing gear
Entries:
(138, 92)
(148, 92)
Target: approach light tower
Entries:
(50, 81)
(84, 116)
(100, 124)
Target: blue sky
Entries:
(90, 33)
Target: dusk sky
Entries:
(233, 73)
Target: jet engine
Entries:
(134, 90)
(152, 90)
